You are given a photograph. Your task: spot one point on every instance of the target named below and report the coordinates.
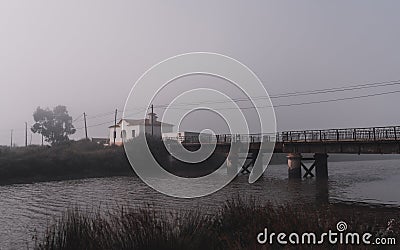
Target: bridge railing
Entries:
(328, 135)
(350, 134)
(224, 138)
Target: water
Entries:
(25, 208)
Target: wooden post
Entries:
(26, 134)
(152, 117)
(84, 118)
(11, 143)
(115, 125)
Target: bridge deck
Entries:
(374, 140)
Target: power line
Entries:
(292, 94)
(345, 88)
(311, 102)
(277, 96)
(253, 107)
(110, 121)
(338, 99)
(101, 115)
(110, 113)
(281, 105)
(77, 118)
(282, 95)
(95, 125)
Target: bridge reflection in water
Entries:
(373, 140)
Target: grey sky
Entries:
(87, 54)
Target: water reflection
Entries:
(322, 191)
(29, 206)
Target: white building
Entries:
(130, 128)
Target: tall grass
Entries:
(82, 159)
(234, 226)
(73, 159)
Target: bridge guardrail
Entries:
(349, 134)
(391, 133)
(224, 138)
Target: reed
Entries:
(233, 226)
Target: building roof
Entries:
(147, 122)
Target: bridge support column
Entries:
(232, 163)
(294, 164)
(257, 159)
(321, 165)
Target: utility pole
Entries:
(26, 134)
(11, 144)
(42, 134)
(84, 117)
(152, 118)
(115, 125)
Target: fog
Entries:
(87, 55)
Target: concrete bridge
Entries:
(373, 140)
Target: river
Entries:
(29, 208)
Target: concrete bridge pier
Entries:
(294, 164)
(257, 159)
(321, 165)
(232, 163)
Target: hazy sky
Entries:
(87, 54)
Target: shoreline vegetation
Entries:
(70, 160)
(86, 159)
(235, 225)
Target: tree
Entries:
(55, 125)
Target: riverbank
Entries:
(72, 160)
(235, 225)
(84, 159)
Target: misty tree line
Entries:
(55, 125)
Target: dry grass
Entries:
(234, 226)
(74, 159)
